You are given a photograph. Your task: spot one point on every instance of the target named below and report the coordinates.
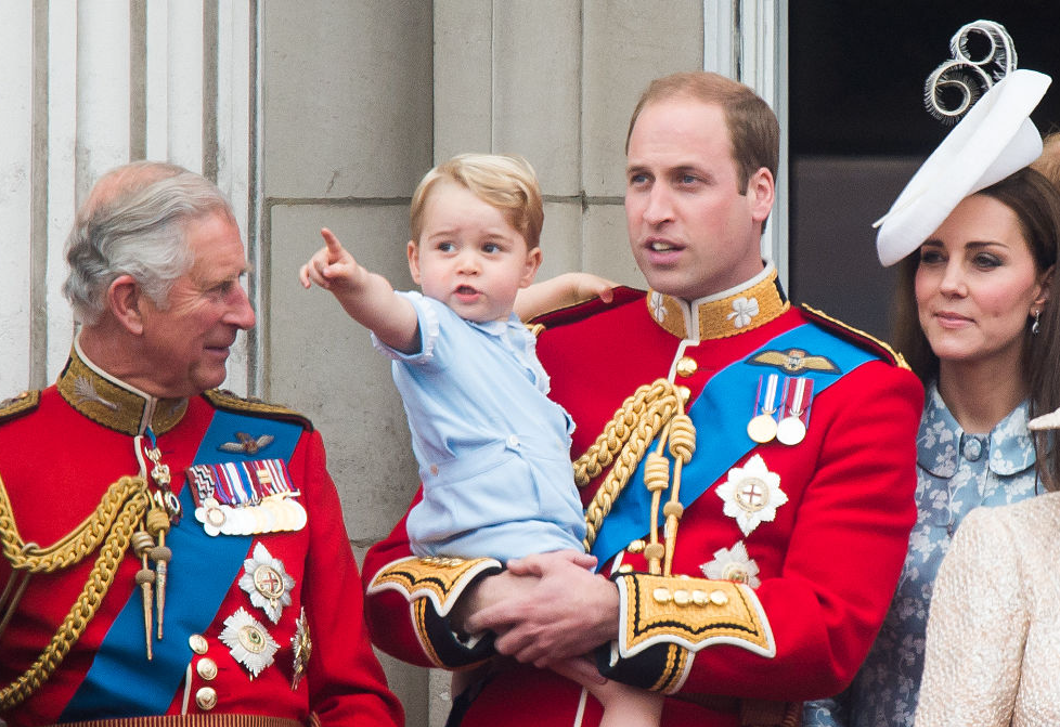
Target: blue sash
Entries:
(121, 681)
(720, 415)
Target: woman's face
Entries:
(976, 285)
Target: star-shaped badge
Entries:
(302, 646)
(752, 494)
(249, 642)
(733, 564)
(266, 581)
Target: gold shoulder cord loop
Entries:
(652, 409)
(112, 524)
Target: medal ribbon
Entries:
(121, 681)
(721, 411)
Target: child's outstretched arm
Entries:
(559, 292)
(368, 297)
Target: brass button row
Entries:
(206, 668)
(682, 597)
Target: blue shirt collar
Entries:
(941, 440)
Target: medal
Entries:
(246, 498)
(248, 641)
(266, 581)
(751, 494)
(302, 646)
(792, 429)
(763, 426)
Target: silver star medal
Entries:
(249, 642)
(752, 494)
(733, 564)
(267, 583)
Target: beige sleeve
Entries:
(977, 628)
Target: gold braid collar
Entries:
(119, 513)
(729, 313)
(113, 403)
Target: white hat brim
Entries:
(995, 139)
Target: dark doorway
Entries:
(858, 129)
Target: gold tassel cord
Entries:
(682, 439)
(117, 517)
(624, 443)
(77, 544)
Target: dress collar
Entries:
(941, 442)
(114, 403)
(728, 313)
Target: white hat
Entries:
(994, 140)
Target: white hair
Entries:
(133, 223)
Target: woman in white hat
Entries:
(993, 647)
(978, 321)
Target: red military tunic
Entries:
(59, 456)
(816, 580)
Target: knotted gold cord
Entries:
(624, 441)
(117, 516)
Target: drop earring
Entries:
(1037, 325)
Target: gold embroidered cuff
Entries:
(692, 612)
(442, 580)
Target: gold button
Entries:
(636, 546)
(718, 598)
(682, 597)
(625, 568)
(700, 598)
(198, 644)
(686, 366)
(206, 668)
(206, 698)
(661, 595)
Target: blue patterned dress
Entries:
(956, 473)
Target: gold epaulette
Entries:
(16, 406)
(863, 339)
(224, 399)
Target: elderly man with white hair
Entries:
(170, 549)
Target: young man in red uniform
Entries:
(748, 470)
(170, 549)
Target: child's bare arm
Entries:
(562, 290)
(623, 705)
(366, 296)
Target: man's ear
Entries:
(125, 299)
(761, 193)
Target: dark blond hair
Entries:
(505, 182)
(753, 127)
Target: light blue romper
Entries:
(493, 449)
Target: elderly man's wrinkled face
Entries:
(188, 342)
